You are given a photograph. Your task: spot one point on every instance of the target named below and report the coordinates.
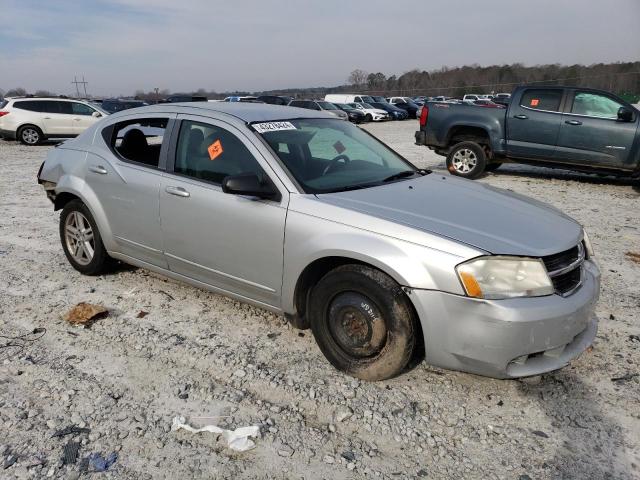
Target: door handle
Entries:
(177, 191)
(98, 169)
(46, 118)
(77, 119)
(572, 122)
(520, 117)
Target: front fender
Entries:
(310, 238)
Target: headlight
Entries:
(587, 245)
(505, 277)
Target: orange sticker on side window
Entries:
(534, 102)
(215, 150)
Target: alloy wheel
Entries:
(79, 238)
(30, 136)
(464, 160)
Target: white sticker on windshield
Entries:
(273, 127)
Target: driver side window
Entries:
(211, 153)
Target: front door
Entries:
(82, 117)
(231, 242)
(533, 124)
(591, 134)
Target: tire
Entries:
(466, 159)
(91, 257)
(362, 322)
(492, 167)
(368, 118)
(30, 135)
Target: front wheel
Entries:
(368, 118)
(362, 322)
(81, 239)
(467, 159)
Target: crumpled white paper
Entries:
(237, 439)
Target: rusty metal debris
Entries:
(85, 313)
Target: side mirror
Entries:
(96, 114)
(251, 185)
(625, 114)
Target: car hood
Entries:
(494, 220)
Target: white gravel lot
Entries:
(202, 355)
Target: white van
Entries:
(348, 98)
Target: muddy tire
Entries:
(81, 240)
(467, 159)
(363, 322)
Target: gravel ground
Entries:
(198, 354)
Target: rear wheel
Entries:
(466, 159)
(81, 239)
(362, 322)
(30, 135)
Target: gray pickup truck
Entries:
(564, 127)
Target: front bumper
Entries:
(509, 338)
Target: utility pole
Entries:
(77, 82)
(157, 90)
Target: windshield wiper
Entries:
(404, 174)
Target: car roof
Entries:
(247, 112)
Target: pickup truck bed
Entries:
(565, 127)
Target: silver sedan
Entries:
(309, 216)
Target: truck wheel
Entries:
(362, 322)
(492, 167)
(466, 159)
(81, 240)
(368, 118)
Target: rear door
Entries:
(591, 134)
(533, 123)
(56, 117)
(125, 176)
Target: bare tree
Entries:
(357, 78)
(44, 93)
(16, 92)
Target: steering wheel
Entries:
(334, 162)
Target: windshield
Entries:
(327, 106)
(367, 98)
(366, 105)
(326, 155)
(380, 99)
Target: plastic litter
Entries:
(70, 430)
(97, 463)
(237, 439)
(84, 313)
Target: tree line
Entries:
(622, 78)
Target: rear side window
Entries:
(543, 99)
(138, 140)
(30, 105)
(211, 153)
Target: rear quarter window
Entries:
(543, 99)
(3, 103)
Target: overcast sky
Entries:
(124, 45)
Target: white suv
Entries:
(32, 120)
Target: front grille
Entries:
(565, 269)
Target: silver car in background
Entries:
(311, 217)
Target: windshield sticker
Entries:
(534, 102)
(339, 146)
(215, 150)
(273, 127)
